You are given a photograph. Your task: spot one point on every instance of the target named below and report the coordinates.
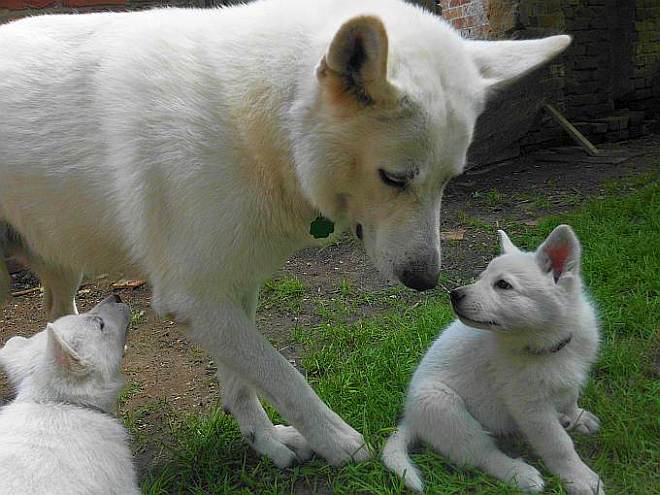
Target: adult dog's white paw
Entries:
(283, 445)
(292, 438)
(347, 445)
(526, 477)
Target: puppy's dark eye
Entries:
(503, 284)
(392, 180)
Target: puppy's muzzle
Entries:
(456, 296)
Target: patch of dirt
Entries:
(163, 368)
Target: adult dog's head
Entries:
(386, 122)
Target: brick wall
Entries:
(607, 82)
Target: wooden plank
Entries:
(576, 135)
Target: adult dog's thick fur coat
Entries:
(196, 146)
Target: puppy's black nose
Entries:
(456, 295)
(116, 298)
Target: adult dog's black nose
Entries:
(419, 280)
(456, 296)
(116, 298)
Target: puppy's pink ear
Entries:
(63, 355)
(560, 252)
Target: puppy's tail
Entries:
(395, 457)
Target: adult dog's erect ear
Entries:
(502, 62)
(354, 69)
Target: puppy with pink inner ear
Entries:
(59, 435)
(514, 361)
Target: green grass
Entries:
(285, 294)
(361, 370)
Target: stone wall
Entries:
(607, 83)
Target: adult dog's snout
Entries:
(420, 275)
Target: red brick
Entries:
(456, 3)
(26, 4)
(91, 3)
(450, 14)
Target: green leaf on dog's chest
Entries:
(321, 227)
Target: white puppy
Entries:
(515, 361)
(58, 436)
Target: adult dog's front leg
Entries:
(282, 444)
(230, 336)
(547, 436)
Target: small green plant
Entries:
(285, 294)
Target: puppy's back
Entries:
(63, 449)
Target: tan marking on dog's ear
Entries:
(353, 72)
(63, 355)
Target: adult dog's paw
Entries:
(292, 438)
(347, 445)
(283, 445)
(525, 477)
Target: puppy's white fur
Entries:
(197, 146)
(58, 436)
(514, 362)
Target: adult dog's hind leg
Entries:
(440, 418)
(60, 287)
(282, 444)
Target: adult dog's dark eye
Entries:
(100, 323)
(503, 284)
(398, 181)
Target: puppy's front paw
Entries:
(585, 484)
(587, 423)
(525, 477)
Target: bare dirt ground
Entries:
(166, 373)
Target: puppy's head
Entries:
(387, 122)
(523, 291)
(77, 358)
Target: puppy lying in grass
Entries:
(58, 436)
(514, 361)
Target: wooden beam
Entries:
(576, 135)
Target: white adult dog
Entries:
(514, 361)
(58, 436)
(197, 146)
